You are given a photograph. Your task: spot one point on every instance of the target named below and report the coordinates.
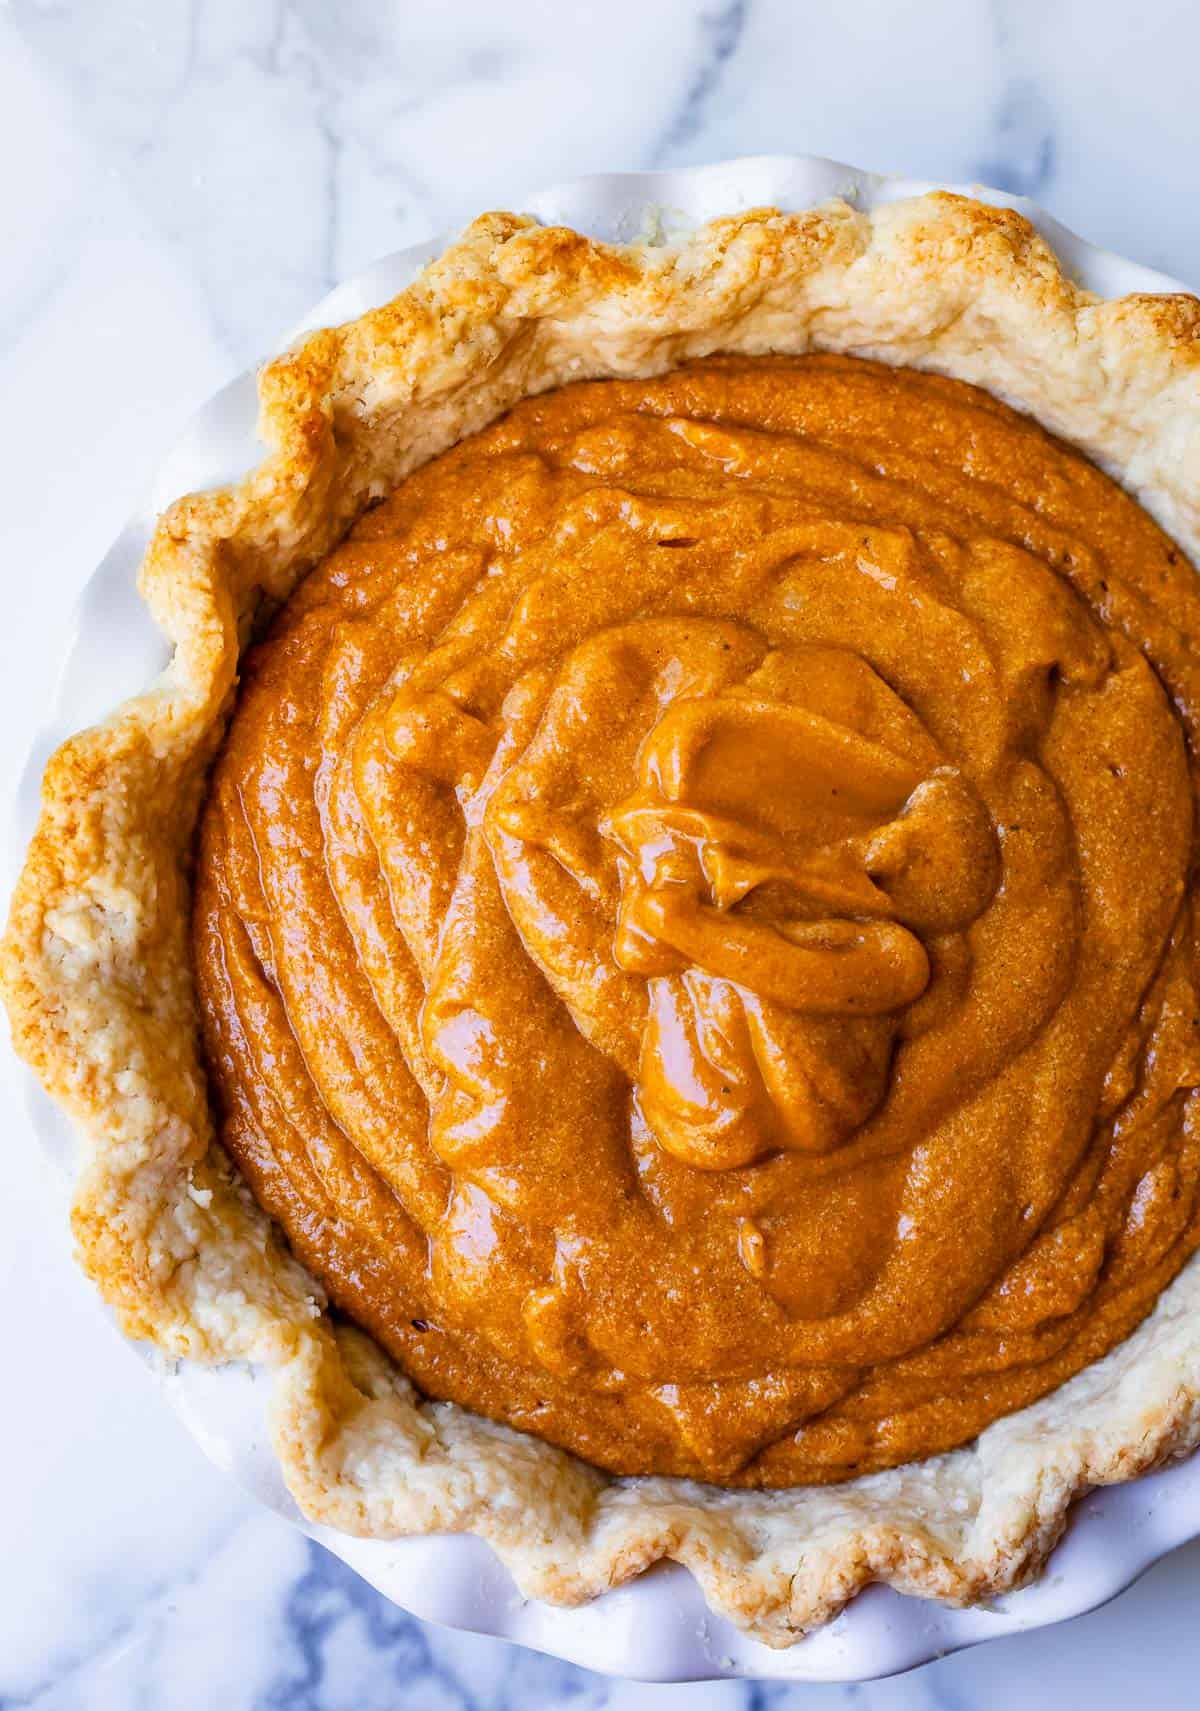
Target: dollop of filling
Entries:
(694, 921)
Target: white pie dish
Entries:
(657, 1627)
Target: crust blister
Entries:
(96, 966)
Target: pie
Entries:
(642, 956)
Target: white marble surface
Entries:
(179, 180)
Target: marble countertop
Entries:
(179, 180)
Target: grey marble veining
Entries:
(180, 180)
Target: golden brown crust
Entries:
(95, 964)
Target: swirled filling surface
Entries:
(693, 919)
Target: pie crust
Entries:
(96, 970)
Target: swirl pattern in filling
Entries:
(693, 919)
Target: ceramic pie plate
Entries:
(657, 1627)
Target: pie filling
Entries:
(694, 920)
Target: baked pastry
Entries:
(693, 932)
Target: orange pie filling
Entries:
(694, 925)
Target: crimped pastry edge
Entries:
(95, 964)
